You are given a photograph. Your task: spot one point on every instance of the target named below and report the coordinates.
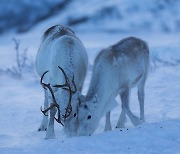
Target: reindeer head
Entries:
(66, 116)
(87, 116)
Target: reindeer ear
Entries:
(81, 99)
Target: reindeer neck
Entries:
(104, 86)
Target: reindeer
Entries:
(61, 62)
(117, 69)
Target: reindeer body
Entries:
(61, 47)
(117, 69)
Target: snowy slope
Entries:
(20, 102)
(20, 16)
(94, 15)
(156, 22)
(124, 15)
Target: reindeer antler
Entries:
(67, 86)
(54, 104)
(67, 83)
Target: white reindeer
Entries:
(117, 69)
(61, 58)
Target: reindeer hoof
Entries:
(120, 125)
(108, 128)
(50, 136)
(142, 120)
(137, 122)
(43, 128)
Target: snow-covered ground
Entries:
(20, 102)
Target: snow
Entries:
(21, 99)
(20, 114)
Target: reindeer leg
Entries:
(44, 121)
(50, 134)
(125, 106)
(141, 99)
(108, 122)
(122, 118)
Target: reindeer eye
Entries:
(89, 117)
(74, 114)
